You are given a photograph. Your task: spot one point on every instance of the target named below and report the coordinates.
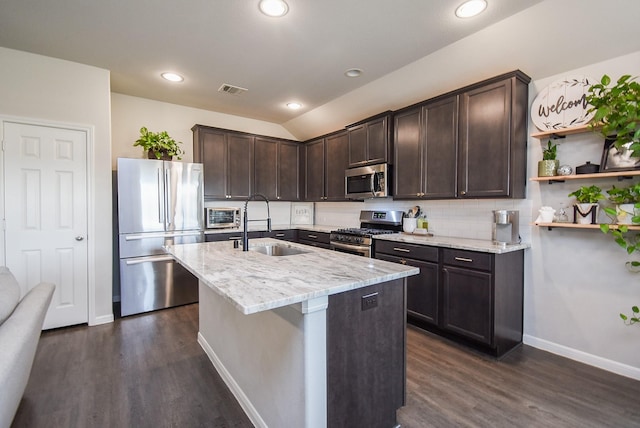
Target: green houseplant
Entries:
(159, 145)
(630, 242)
(617, 110)
(587, 198)
(548, 166)
(626, 200)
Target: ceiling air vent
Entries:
(233, 90)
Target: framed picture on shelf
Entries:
(617, 160)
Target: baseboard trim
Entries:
(583, 357)
(237, 392)
(104, 319)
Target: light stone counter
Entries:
(254, 282)
(481, 245)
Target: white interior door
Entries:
(45, 200)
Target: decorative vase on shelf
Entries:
(548, 168)
(586, 213)
(625, 213)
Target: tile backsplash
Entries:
(456, 218)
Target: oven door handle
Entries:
(357, 248)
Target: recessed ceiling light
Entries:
(353, 72)
(273, 8)
(294, 105)
(471, 8)
(172, 77)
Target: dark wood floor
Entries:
(149, 371)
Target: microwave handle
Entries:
(373, 184)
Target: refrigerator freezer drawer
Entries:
(150, 283)
(148, 244)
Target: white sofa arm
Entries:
(19, 336)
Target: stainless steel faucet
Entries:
(245, 234)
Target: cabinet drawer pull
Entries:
(403, 250)
(279, 235)
(313, 236)
(464, 259)
(232, 238)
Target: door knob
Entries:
(79, 238)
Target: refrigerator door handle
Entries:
(151, 259)
(160, 235)
(160, 197)
(167, 192)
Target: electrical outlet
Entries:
(369, 301)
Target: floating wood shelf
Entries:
(583, 226)
(561, 178)
(563, 132)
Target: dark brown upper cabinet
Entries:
(492, 141)
(370, 141)
(238, 164)
(426, 150)
(469, 143)
(277, 169)
(228, 162)
(326, 160)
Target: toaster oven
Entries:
(222, 218)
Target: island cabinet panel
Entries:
(370, 141)
(366, 356)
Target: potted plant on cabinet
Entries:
(159, 145)
(587, 204)
(617, 111)
(627, 204)
(548, 166)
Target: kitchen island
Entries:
(311, 339)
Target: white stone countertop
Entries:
(481, 245)
(255, 282)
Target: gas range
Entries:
(359, 240)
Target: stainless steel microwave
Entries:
(367, 182)
(222, 218)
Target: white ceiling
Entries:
(300, 57)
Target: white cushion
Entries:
(9, 293)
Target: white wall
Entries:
(578, 283)
(51, 90)
(129, 114)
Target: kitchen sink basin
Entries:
(277, 250)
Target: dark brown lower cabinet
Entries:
(471, 297)
(366, 356)
(422, 289)
(316, 239)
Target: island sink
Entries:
(277, 250)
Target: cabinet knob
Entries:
(464, 192)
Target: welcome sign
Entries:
(563, 104)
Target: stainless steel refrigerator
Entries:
(159, 203)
